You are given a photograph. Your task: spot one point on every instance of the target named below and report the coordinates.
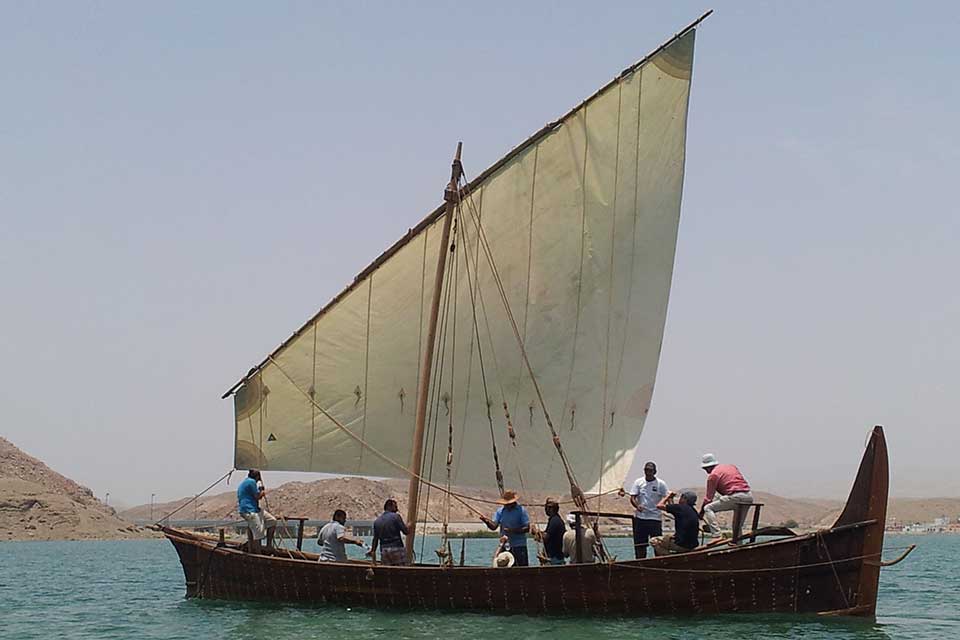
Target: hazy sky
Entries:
(182, 185)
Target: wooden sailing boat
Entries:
(531, 349)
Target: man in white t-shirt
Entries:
(332, 538)
(645, 493)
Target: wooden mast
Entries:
(423, 385)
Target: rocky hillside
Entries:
(37, 503)
(362, 499)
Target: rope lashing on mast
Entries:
(444, 553)
(510, 431)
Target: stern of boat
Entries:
(867, 503)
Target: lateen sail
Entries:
(581, 222)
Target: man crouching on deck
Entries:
(261, 523)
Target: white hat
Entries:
(709, 460)
(504, 559)
(571, 519)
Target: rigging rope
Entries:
(575, 491)
(637, 565)
(510, 430)
(483, 374)
(437, 384)
(459, 497)
(445, 553)
(196, 497)
(488, 253)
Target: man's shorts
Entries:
(259, 522)
(393, 555)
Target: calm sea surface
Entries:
(135, 590)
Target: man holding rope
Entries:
(513, 521)
(261, 523)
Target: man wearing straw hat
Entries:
(513, 521)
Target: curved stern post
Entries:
(868, 501)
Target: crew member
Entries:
(552, 536)
(386, 534)
(333, 538)
(686, 523)
(249, 493)
(647, 520)
(587, 541)
(726, 488)
(513, 521)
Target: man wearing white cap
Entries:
(726, 487)
(587, 541)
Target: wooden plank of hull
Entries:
(833, 571)
(758, 578)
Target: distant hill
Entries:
(37, 503)
(363, 499)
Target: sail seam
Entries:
(366, 370)
(526, 301)
(613, 249)
(633, 248)
(576, 322)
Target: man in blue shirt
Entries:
(261, 523)
(386, 534)
(514, 523)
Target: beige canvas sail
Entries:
(581, 221)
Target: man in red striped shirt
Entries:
(726, 487)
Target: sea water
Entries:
(135, 589)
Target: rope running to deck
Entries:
(483, 374)
(197, 497)
(576, 492)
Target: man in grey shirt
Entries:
(333, 538)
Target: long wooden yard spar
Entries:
(423, 385)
